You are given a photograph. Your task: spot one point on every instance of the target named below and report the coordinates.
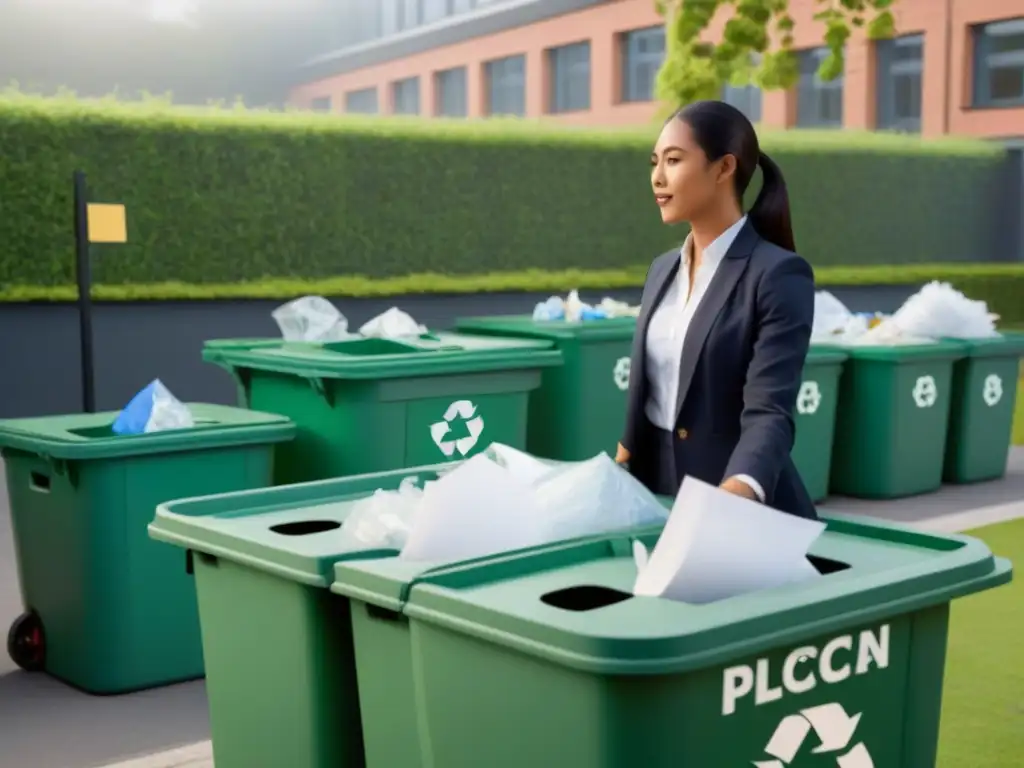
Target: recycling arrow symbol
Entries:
(441, 431)
(925, 391)
(834, 729)
(620, 374)
(808, 400)
(992, 390)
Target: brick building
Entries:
(957, 67)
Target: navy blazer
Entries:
(742, 364)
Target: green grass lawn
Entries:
(983, 705)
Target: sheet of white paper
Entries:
(718, 545)
(640, 555)
(475, 510)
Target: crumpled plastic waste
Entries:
(528, 502)
(383, 520)
(572, 309)
(501, 500)
(833, 322)
(935, 312)
(392, 324)
(153, 409)
(521, 464)
(615, 308)
(311, 318)
(939, 311)
(477, 509)
(584, 498)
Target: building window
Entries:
(391, 16)
(819, 103)
(506, 86)
(405, 96)
(999, 64)
(362, 102)
(450, 90)
(570, 78)
(433, 10)
(643, 51)
(410, 14)
(746, 98)
(321, 104)
(898, 90)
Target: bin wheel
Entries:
(26, 644)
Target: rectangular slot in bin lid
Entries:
(86, 436)
(574, 606)
(524, 326)
(290, 531)
(386, 582)
(431, 354)
(909, 353)
(1009, 344)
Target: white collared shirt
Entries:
(667, 332)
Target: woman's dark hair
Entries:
(720, 129)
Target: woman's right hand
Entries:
(621, 455)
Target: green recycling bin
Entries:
(215, 345)
(371, 405)
(280, 662)
(580, 407)
(107, 609)
(892, 419)
(545, 658)
(981, 415)
(816, 418)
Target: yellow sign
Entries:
(107, 223)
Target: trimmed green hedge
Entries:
(227, 196)
(1000, 285)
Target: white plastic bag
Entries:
(551, 309)
(393, 324)
(529, 469)
(594, 496)
(615, 308)
(383, 520)
(833, 321)
(574, 307)
(940, 311)
(152, 409)
(168, 411)
(475, 510)
(311, 318)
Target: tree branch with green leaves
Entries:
(756, 45)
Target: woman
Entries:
(724, 323)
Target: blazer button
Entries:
(683, 434)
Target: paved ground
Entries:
(44, 724)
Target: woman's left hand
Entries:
(739, 488)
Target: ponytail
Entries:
(770, 212)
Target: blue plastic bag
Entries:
(153, 409)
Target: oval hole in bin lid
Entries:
(586, 597)
(305, 527)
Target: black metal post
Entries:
(83, 269)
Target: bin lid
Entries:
(524, 326)
(946, 349)
(427, 355)
(84, 436)
(290, 531)
(823, 354)
(1008, 344)
(252, 343)
(539, 603)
